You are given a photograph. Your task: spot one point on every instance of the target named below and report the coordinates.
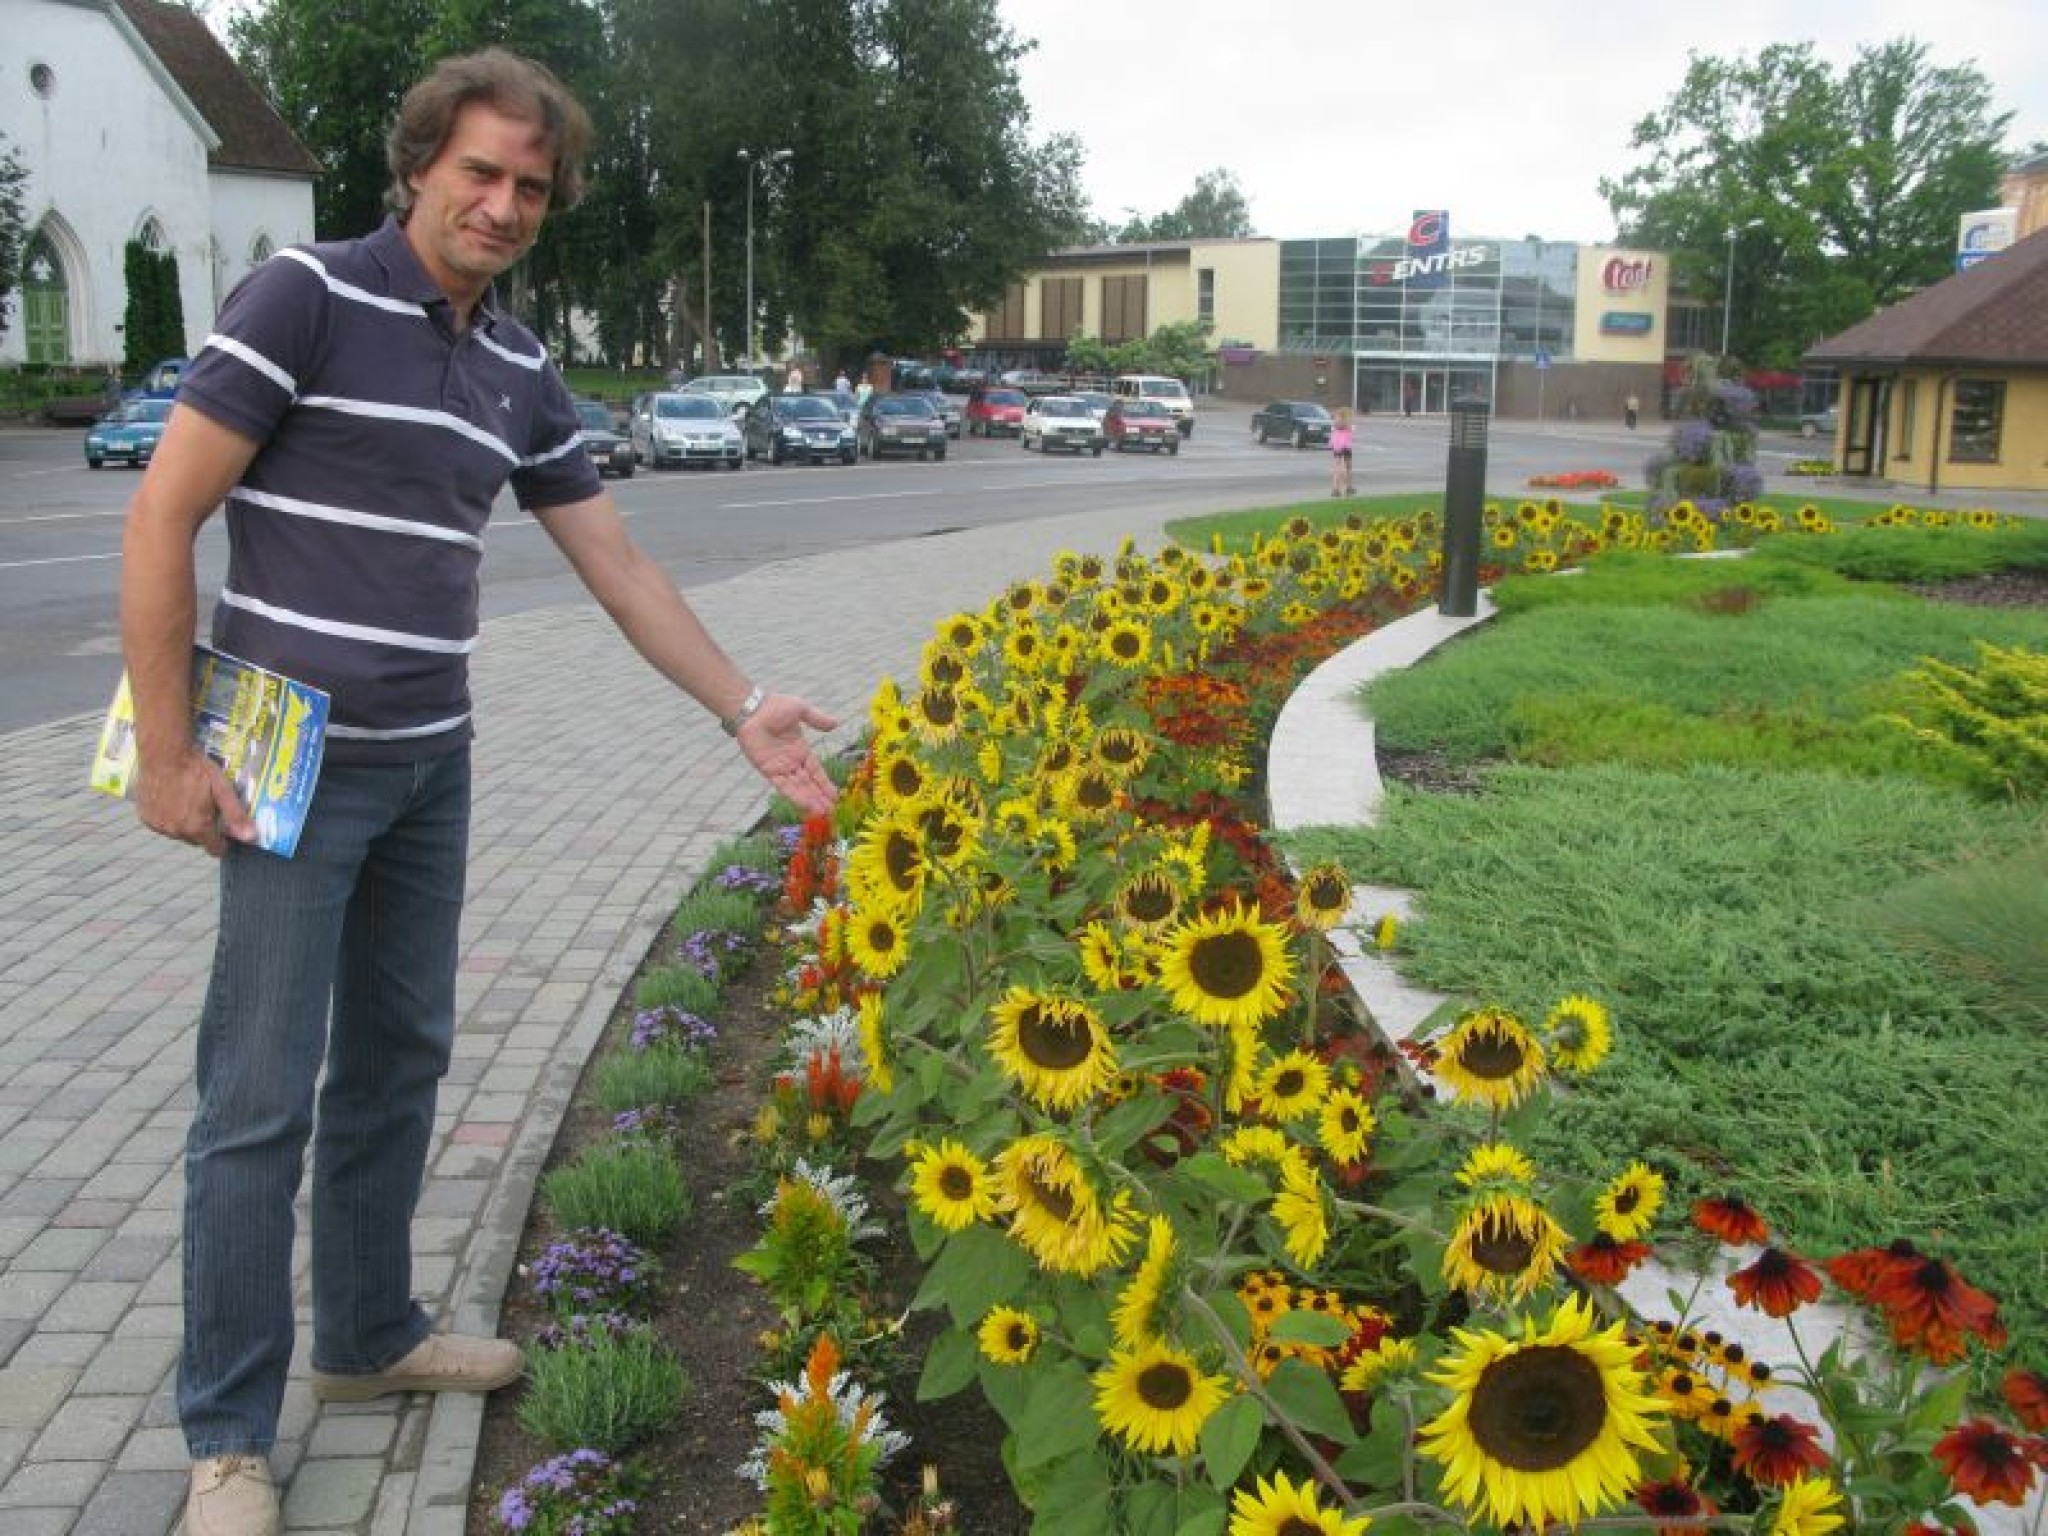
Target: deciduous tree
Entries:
(1216, 209)
(13, 227)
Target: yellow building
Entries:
(2024, 189)
(1125, 292)
(1948, 390)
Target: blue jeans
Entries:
(364, 918)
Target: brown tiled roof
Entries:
(1992, 314)
(252, 136)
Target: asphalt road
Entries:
(60, 524)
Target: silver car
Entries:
(686, 429)
(1061, 421)
(947, 407)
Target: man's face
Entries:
(479, 203)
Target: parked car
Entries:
(611, 451)
(1063, 422)
(161, 381)
(900, 422)
(995, 411)
(843, 401)
(1170, 393)
(805, 427)
(1097, 401)
(732, 391)
(948, 408)
(1818, 423)
(686, 429)
(1034, 381)
(1300, 422)
(128, 434)
(1144, 424)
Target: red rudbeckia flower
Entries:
(1603, 1261)
(1674, 1499)
(1777, 1450)
(1730, 1218)
(1985, 1463)
(2026, 1394)
(1777, 1284)
(1857, 1271)
(1929, 1307)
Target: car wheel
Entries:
(847, 456)
(1174, 449)
(1024, 443)
(1808, 429)
(1300, 438)
(939, 454)
(924, 455)
(775, 453)
(95, 463)
(626, 470)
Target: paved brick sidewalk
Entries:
(601, 796)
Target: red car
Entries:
(1141, 424)
(995, 412)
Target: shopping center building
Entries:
(1408, 321)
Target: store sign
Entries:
(1626, 274)
(1429, 249)
(1984, 234)
(1625, 322)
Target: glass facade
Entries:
(1421, 331)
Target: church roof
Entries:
(252, 135)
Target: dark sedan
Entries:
(901, 422)
(1300, 422)
(611, 452)
(805, 427)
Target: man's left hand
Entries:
(773, 740)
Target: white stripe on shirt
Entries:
(335, 627)
(326, 514)
(529, 361)
(416, 414)
(364, 733)
(248, 354)
(350, 291)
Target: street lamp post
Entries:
(1728, 290)
(753, 164)
(1542, 363)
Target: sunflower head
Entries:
(1323, 897)
(1579, 1034)
(1227, 968)
(1491, 1057)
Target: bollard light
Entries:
(1464, 497)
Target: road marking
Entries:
(23, 565)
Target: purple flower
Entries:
(592, 1271)
(737, 877)
(670, 1025)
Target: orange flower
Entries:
(1777, 1450)
(1777, 1284)
(1985, 1463)
(2026, 1394)
(1730, 1218)
(1674, 1499)
(1931, 1308)
(1603, 1261)
(1857, 1271)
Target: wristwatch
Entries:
(748, 709)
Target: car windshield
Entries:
(593, 415)
(1062, 408)
(804, 408)
(147, 410)
(1144, 408)
(1004, 397)
(1094, 401)
(1311, 412)
(687, 408)
(903, 405)
(1166, 389)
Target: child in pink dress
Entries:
(1340, 455)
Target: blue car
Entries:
(128, 434)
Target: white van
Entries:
(1170, 393)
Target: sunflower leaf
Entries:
(1302, 1326)
(1210, 1171)
(1308, 1399)
(948, 1366)
(1229, 1436)
(1057, 1419)
(978, 1268)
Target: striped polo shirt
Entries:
(355, 535)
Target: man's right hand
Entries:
(188, 797)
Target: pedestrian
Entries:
(840, 386)
(861, 392)
(794, 384)
(1630, 409)
(1408, 393)
(1340, 453)
(358, 408)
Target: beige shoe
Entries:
(231, 1496)
(444, 1362)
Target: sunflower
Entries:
(1120, 749)
(1056, 1212)
(1344, 1126)
(1055, 1048)
(1227, 968)
(890, 864)
(877, 943)
(1126, 643)
(1496, 1163)
(939, 713)
(1807, 1509)
(1283, 1508)
(871, 1021)
(1389, 1357)
(1108, 961)
(1298, 1208)
(1489, 1055)
(1292, 1086)
(1156, 1398)
(1627, 1208)
(899, 776)
(1545, 1428)
(951, 1186)
(1089, 794)
(1323, 897)
(1986, 1463)
(1138, 1307)
(1148, 901)
(1777, 1284)
(1256, 1144)
(1504, 1245)
(1024, 649)
(963, 632)
(1007, 1336)
(1579, 1035)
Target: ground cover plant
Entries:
(1183, 1231)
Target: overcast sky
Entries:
(1343, 116)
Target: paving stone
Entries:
(134, 1504)
(44, 1350)
(28, 1293)
(333, 1491)
(129, 1365)
(367, 1434)
(29, 1395)
(49, 1484)
(90, 1306)
(129, 1256)
(155, 1450)
(67, 1248)
(88, 1428)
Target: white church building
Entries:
(134, 123)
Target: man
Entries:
(358, 409)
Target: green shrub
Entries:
(712, 910)
(677, 986)
(611, 1393)
(630, 1187)
(1984, 922)
(664, 1073)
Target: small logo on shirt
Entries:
(504, 402)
